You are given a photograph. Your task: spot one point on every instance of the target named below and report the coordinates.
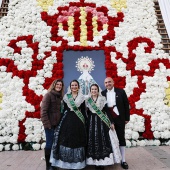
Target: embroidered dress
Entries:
(102, 143)
(68, 151)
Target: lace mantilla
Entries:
(78, 101)
(100, 103)
(115, 146)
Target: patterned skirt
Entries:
(68, 150)
(102, 144)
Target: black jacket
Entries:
(122, 103)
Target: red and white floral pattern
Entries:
(32, 42)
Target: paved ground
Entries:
(138, 158)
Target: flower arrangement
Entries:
(33, 37)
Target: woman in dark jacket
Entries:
(50, 115)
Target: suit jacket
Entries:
(122, 103)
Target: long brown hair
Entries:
(53, 84)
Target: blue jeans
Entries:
(49, 133)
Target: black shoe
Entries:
(124, 165)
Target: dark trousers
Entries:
(120, 130)
(49, 134)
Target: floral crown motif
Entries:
(85, 64)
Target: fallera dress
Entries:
(102, 142)
(68, 150)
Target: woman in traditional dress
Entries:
(102, 143)
(68, 151)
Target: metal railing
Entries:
(162, 29)
(4, 8)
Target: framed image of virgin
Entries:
(85, 66)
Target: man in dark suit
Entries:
(118, 105)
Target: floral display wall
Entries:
(33, 37)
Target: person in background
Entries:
(68, 150)
(118, 105)
(50, 115)
(101, 149)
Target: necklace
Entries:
(74, 96)
(95, 99)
